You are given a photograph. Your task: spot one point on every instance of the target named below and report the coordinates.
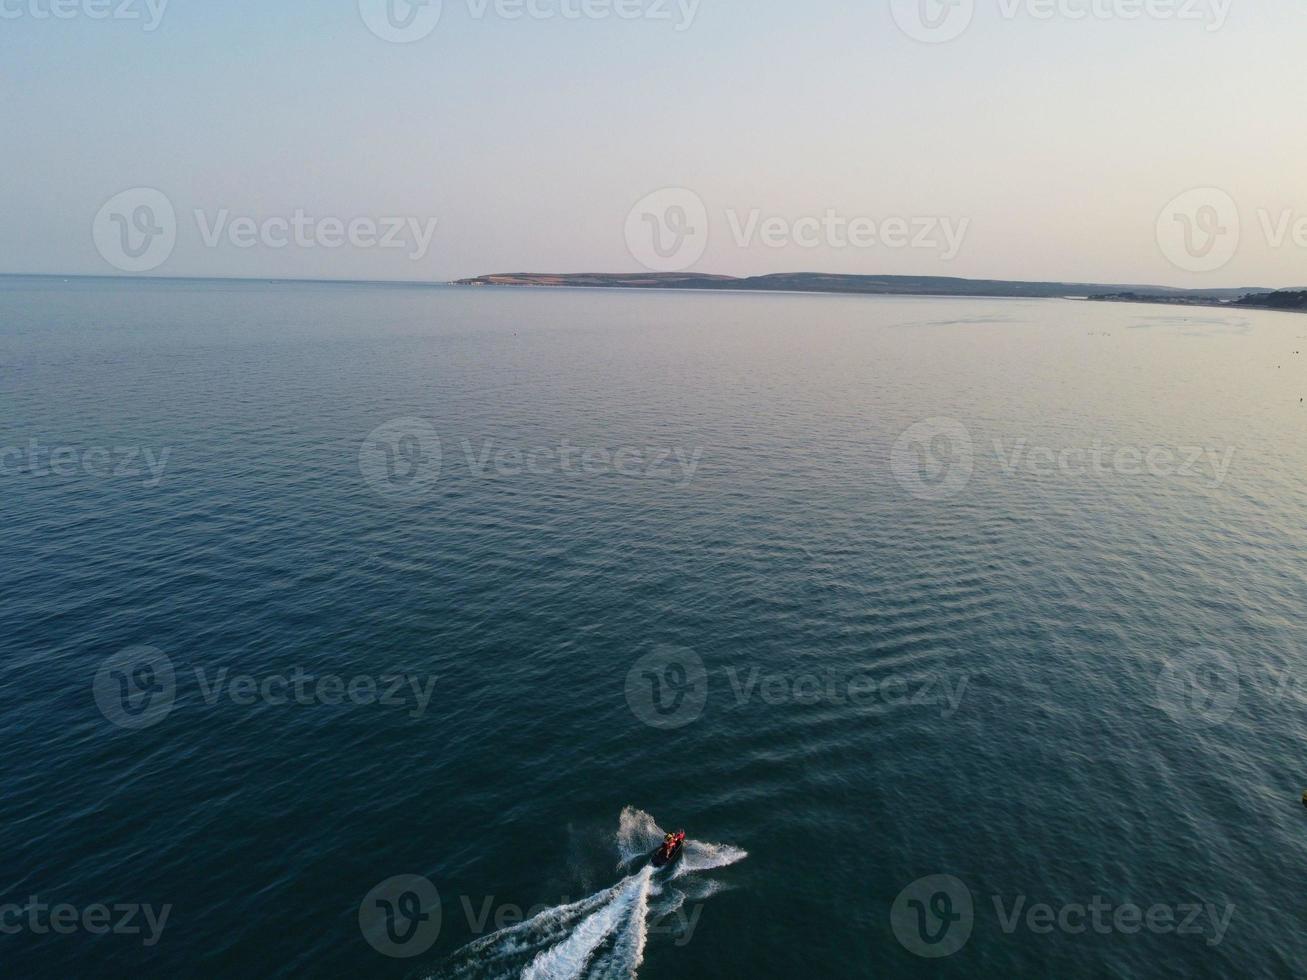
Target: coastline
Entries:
(1275, 300)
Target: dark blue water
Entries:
(870, 590)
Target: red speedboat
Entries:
(670, 850)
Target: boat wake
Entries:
(602, 936)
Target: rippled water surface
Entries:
(860, 590)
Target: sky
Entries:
(1131, 141)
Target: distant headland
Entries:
(816, 282)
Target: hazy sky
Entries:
(1047, 140)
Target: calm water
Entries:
(870, 590)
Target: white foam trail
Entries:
(568, 960)
(526, 938)
(623, 961)
(603, 936)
